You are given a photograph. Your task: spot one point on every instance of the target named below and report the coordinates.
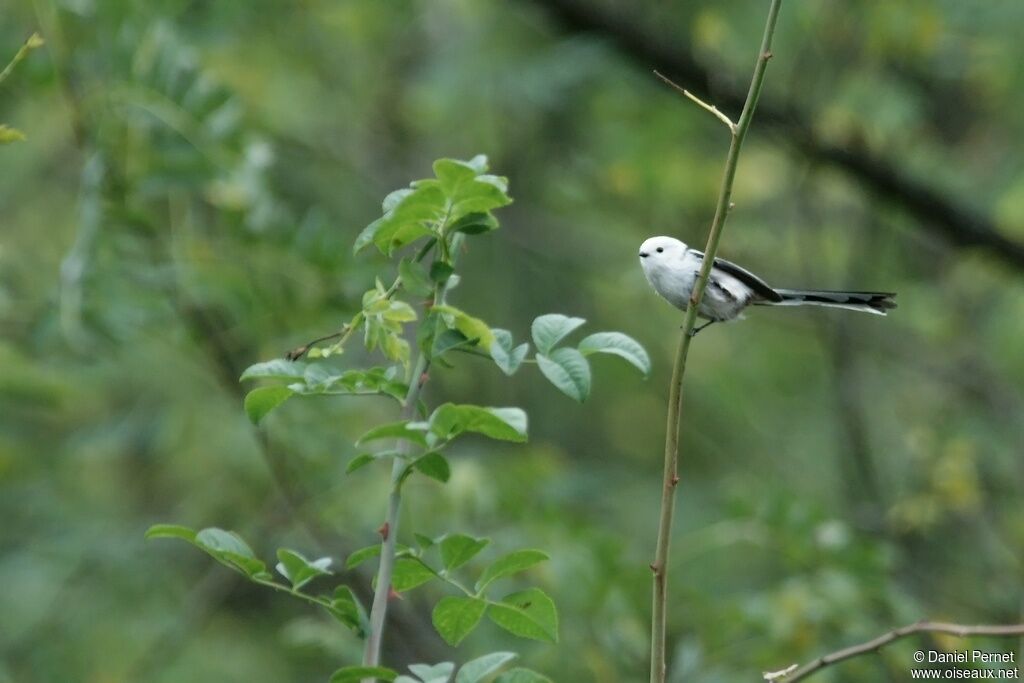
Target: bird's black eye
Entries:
(660, 249)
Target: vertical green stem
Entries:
(382, 593)
(670, 475)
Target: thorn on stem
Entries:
(675, 479)
(654, 568)
(383, 531)
(768, 55)
(424, 377)
(393, 594)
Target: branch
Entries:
(670, 474)
(878, 643)
(957, 223)
(699, 102)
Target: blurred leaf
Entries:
(357, 557)
(261, 401)
(568, 370)
(440, 272)
(415, 278)
(355, 674)
(505, 356)
(410, 573)
(433, 465)
(410, 216)
(507, 424)
(458, 549)
(456, 617)
(229, 547)
(394, 430)
(171, 531)
(438, 673)
(513, 563)
(278, 368)
(298, 570)
(475, 224)
(346, 608)
(9, 135)
(520, 675)
(480, 668)
(527, 614)
(472, 328)
(618, 344)
(550, 329)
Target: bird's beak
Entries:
(643, 254)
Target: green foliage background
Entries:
(184, 204)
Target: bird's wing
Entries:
(759, 286)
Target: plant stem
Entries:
(670, 475)
(382, 593)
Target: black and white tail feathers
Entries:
(869, 302)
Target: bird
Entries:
(671, 268)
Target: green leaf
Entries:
(355, 674)
(217, 540)
(171, 531)
(456, 617)
(346, 608)
(505, 356)
(476, 670)
(458, 549)
(409, 216)
(520, 675)
(513, 563)
(298, 570)
(278, 368)
(438, 673)
(423, 541)
(506, 424)
(568, 370)
(433, 465)
(527, 614)
(447, 340)
(229, 547)
(394, 430)
(617, 344)
(261, 401)
(415, 278)
(361, 460)
(453, 174)
(440, 272)
(474, 224)
(550, 329)
(409, 573)
(472, 328)
(9, 135)
(357, 557)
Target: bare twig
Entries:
(881, 641)
(698, 101)
(670, 474)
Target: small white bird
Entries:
(672, 268)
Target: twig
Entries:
(881, 641)
(670, 474)
(34, 41)
(351, 326)
(699, 102)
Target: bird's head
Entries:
(658, 252)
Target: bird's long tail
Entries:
(869, 302)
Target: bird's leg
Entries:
(698, 329)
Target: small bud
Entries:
(383, 531)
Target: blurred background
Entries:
(184, 205)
